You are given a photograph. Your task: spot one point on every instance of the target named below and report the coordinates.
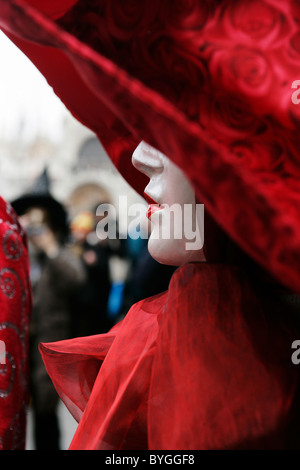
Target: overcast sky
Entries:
(25, 97)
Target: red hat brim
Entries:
(201, 86)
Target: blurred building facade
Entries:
(80, 171)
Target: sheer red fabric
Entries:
(15, 313)
(207, 83)
(205, 365)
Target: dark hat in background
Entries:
(39, 196)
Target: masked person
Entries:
(206, 88)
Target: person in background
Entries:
(56, 273)
(89, 303)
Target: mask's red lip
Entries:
(153, 206)
(149, 199)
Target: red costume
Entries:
(202, 366)
(15, 312)
(206, 365)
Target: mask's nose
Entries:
(147, 159)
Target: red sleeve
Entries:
(15, 310)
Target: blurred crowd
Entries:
(81, 285)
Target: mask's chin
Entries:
(168, 244)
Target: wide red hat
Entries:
(212, 84)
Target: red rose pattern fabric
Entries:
(206, 82)
(205, 365)
(15, 313)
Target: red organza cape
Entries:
(15, 312)
(202, 366)
(207, 83)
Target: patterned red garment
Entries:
(15, 312)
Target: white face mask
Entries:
(177, 222)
